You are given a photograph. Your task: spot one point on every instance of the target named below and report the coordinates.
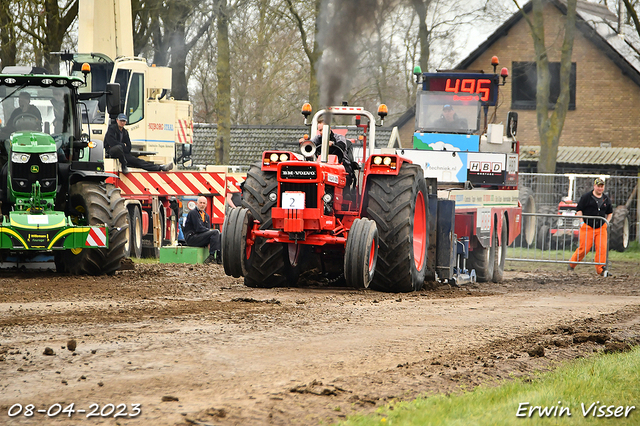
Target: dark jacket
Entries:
(346, 155)
(32, 110)
(457, 123)
(116, 137)
(588, 205)
(194, 223)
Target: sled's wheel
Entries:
(482, 259)
(398, 206)
(501, 250)
(173, 231)
(152, 251)
(235, 251)
(543, 239)
(527, 237)
(93, 204)
(548, 216)
(619, 234)
(361, 253)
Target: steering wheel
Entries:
(337, 151)
(26, 121)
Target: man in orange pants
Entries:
(593, 231)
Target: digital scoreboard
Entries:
(482, 87)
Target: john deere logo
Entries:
(35, 169)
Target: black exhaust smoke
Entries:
(342, 23)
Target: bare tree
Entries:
(630, 6)
(309, 42)
(223, 107)
(8, 38)
(444, 24)
(269, 81)
(550, 124)
(47, 23)
(173, 27)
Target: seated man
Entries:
(117, 144)
(198, 233)
(25, 112)
(340, 146)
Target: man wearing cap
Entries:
(450, 120)
(593, 231)
(118, 145)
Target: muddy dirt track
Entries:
(194, 347)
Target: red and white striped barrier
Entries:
(174, 183)
(97, 237)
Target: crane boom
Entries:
(114, 38)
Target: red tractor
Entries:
(299, 213)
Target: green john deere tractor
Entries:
(55, 201)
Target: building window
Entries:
(523, 85)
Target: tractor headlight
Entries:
(326, 198)
(273, 157)
(377, 160)
(386, 161)
(18, 157)
(49, 158)
(284, 157)
(273, 196)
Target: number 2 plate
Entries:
(293, 200)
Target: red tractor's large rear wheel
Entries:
(268, 263)
(398, 205)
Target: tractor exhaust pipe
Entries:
(308, 149)
(324, 151)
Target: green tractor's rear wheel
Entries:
(96, 203)
(398, 206)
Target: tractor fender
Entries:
(88, 175)
(97, 152)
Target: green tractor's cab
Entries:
(53, 194)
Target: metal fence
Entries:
(548, 190)
(558, 237)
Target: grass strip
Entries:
(590, 389)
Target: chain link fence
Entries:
(553, 191)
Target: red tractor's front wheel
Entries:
(398, 206)
(235, 251)
(268, 263)
(361, 253)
